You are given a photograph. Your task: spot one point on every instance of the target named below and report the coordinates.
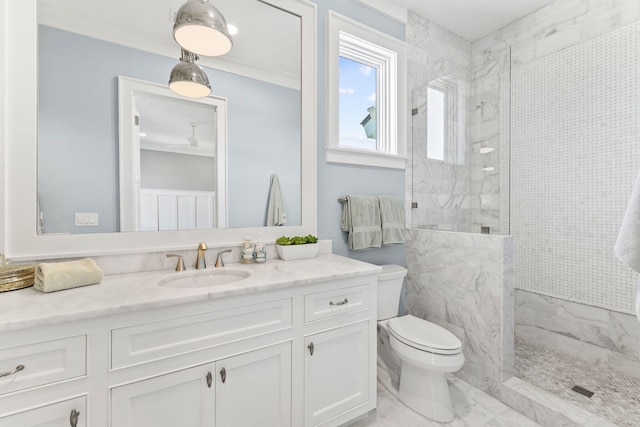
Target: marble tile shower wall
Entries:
(464, 282)
(593, 334)
(441, 189)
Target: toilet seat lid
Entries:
(424, 335)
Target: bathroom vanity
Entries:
(293, 344)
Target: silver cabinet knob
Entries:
(73, 418)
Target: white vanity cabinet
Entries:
(340, 352)
(250, 389)
(254, 389)
(39, 377)
(298, 354)
(336, 372)
(180, 398)
(68, 413)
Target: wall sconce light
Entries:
(188, 78)
(200, 28)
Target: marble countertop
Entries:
(123, 293)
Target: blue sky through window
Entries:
(357, 96)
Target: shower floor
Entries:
(616, 397)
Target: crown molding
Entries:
(389, 8)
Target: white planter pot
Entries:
(293, 252)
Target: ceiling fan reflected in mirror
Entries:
(192, 139)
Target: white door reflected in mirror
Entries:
(172, 159)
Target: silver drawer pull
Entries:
(15, 371)
(346, 301)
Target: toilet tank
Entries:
(389, 289)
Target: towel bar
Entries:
(342, 199)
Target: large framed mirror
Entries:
(63, 99)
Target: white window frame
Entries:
(353, 40)
(454, 152)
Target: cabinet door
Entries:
(71, 412)
(183, 398)
(336, 372)
(254, 389)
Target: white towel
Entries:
(627, 247)
(57, 276)
(276, 215)
(392, 217)
(361, 219)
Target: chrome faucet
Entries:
(219, 260)
(200, 263)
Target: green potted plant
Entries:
(297, 247)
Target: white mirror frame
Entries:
(20, 239)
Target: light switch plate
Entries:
(86, 219)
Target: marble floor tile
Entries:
(472, 408)
(616, 397)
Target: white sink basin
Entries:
(203, 278)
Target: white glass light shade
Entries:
(188, 79)
(200, 28)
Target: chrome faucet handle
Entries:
(200, 262)
(219, 260)
(180, 266)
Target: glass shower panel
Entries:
(441, 174)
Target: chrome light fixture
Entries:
(188, 78)
(200, 28)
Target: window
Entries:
(366, 95)
(446, 120)
(357, 106)
(435, 121)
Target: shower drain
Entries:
(582, 391)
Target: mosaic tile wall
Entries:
(562, 25)
(575, 127)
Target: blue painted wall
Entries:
(336, 180)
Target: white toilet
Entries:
(413, 354)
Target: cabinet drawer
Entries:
(336, 302)
(70, 412)
(43, 363)
(165, 338)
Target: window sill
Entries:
(365, 158)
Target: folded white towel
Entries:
(627, 247)
(392, 217)
(57, 276)
(361, 219)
